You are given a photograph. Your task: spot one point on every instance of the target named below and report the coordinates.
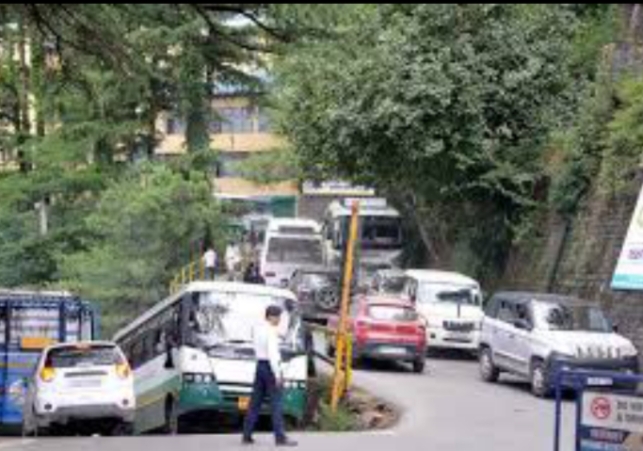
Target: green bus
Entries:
(192, 354)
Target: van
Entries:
(290, 244)
(451, 303)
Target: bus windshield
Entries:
(220, 318)
(378, 232)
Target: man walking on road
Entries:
(268, 379)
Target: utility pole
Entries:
(342, 346)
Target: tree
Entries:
(139, 233)
(443, 108)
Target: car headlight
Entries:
(198, 378)
(628, 351)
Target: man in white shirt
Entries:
(268, 379)
(210, 262)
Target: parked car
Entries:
(87, 383)
(385, 328)
(531, 334)
(317, 290)
(452, 305)
(388, 281)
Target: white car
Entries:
(532, 335)
(89, 384)
(451, 303)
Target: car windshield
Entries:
(453, 293)
(392, 313)
(294, 250)
(82, 356)
(392, 284)
(551, 316)
(220, 317)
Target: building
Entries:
(240, 129)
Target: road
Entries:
(448, 409)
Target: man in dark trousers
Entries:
(268, 379)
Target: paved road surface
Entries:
(446, 409)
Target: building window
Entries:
(263, 121)
(234, 120)
(175, 126)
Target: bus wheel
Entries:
(171, 418)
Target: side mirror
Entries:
(169, 359)
(615, 328)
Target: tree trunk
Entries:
(431, 236)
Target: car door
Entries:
(504, 335)
(522, 337)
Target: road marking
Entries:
(17, 443)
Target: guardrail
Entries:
(189, 273)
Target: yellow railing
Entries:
(189, 273)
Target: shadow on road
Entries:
(452, 354)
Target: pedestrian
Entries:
(232, 260)
(210, 262)
(268, 381)
(253, 275)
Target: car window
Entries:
(491, 309)
(392, 313)
(80, 356)
(507, 312)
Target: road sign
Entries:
(610, 422)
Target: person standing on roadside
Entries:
(210, 262)
(268, 379)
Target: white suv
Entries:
(82, 383)
(530, 334)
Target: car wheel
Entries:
(488, 370)
(419, 364)
(171, 418)
(540, 386)
(327, 299)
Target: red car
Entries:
(385, 328)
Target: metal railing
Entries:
(189, 273)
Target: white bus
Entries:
(192, 354)
(381, 234)
(290, 244)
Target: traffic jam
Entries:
(189, 359)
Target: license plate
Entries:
(243, 403)
(85, 384)
(600, 381)
(459, 336)
(391, 350)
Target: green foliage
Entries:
(623, 154)
(442, 107)
(270, 167)
(582, 149)
(340, 421)
(142, 229)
